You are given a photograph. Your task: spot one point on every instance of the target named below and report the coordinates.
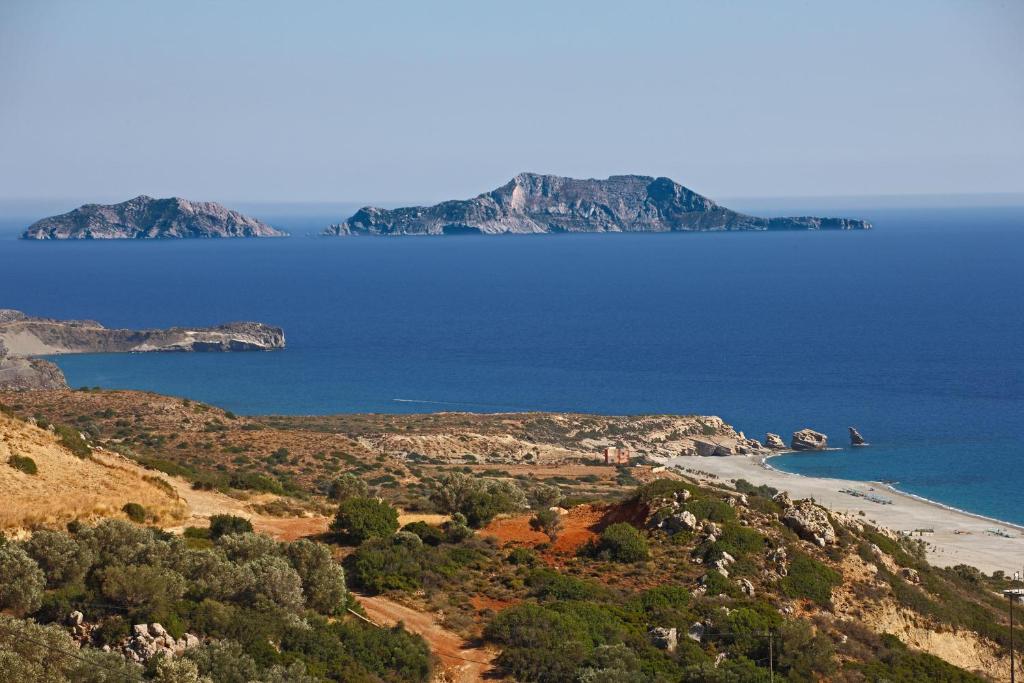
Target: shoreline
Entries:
(957, 536)
(892, 489)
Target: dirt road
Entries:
(463, 661)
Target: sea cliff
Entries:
(22, 336)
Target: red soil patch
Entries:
(482, 602)
(579, 525)
(290, 528)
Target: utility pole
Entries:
(771, 658)
(1013, 594)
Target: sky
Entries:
(423, 101)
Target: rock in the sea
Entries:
(855, 438)
(808, 440)
(148, 218)
(534, 203)
(774, 441)
(810, 522)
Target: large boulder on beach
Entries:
(810, 522)
(808, 440)
(774, 441)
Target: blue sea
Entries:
(912, 332)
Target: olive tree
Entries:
(323, 579)
(359, 519)
(21, 580)
(62, 558)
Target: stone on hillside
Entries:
(910, 575)
(681, 521)
(810, 522)
(782, 498)
(746, 587)
(664, 638)
(696, 632)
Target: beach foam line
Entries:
(890, 487)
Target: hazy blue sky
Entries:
(420, 101)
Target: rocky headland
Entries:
(22, 336)
(148, 218)
(534, 203)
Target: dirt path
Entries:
(463, 661)
(204, 504)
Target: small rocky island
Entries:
(148, 218)
(22, 337)
(533, 203)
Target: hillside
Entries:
(534, 203)
(532, 560)
(67, 486)
(148, 218)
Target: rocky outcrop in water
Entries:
(148, 218)
(534, 203)
(774, 442)
(808, 440)
(855, 438)
(22, 336)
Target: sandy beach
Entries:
(958, 537)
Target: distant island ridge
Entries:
(530, 203)
(148, 218)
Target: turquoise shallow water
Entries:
(912, 332)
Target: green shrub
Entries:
(479, 500)
(135, 512)
(549, 584)
(360, 519)
(547, 521)
(522, 557)
(222, 525)
(431, 535)
(621, 542)
(21, 580)
(23, 463)
(381, 564)
(347, 486)
(71, 439)
(809, 578)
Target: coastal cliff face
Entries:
(533, 203)
(148, 218)
(22, 336)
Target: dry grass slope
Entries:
(67, 487)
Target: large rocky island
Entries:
(533, 203)
(148, 218)
(22, 336)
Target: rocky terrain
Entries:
(148, 218)
(22, 336)
(533, 203)
(683, 570)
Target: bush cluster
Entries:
(268, 610)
